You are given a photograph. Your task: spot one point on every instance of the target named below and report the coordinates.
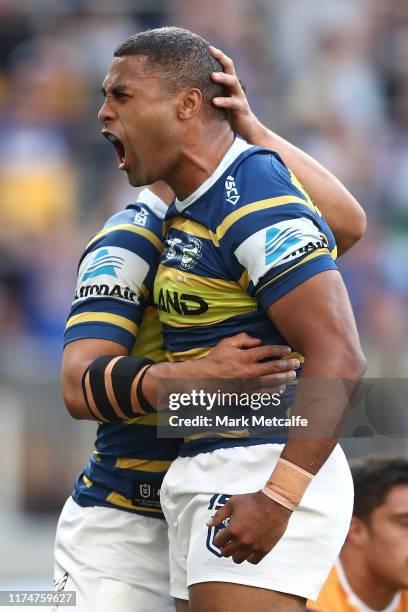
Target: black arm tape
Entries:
(86, 395)
(141, 398)
(122, 376)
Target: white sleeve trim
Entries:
(272, 246)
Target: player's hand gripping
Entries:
(242, 356)
(242, 119)
(256, 523)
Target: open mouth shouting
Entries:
(119, 148)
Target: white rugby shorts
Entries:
(195, 487)
(114, 560)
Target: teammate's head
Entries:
(157, 87)
(379, 528)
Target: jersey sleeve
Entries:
(278, 241)
(115, 278)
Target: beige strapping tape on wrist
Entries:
(287, 484)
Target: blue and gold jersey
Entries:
(242, 240)
(113, 301)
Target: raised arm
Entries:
(341, 210)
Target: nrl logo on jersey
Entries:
(189, 253)
(232, 191)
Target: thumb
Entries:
(221, 514)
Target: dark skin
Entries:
(346, 218)
(238, 356)
(154, 128)
(235, 357)
(324, 294)
(185, 143)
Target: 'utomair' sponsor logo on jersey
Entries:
(111, 272)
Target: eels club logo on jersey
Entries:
(187, 253)
(106, 273)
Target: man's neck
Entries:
(366, 585)
(201, 152)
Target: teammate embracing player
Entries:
(107, 541)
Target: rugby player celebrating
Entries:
(254, 271)
(90, 330)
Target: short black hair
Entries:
(374, 477)
(181, 58)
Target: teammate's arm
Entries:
(324, 331)
(341, 210)
(235, 357)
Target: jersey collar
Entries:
(152, 201)
(356, 601)
(238, 147)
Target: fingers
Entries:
(224, 537)
(232, 545)
(230, 82)
(225, 61)
(241, 341)
(255, 558)
(221, 515)
(282, 370)
(280, 350)
(230, 103)
(269, 350)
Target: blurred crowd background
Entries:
(332, 77)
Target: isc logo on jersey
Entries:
(284, 241)
(111, 272)
(232, 191)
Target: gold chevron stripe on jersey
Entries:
(195, 353)
(142, 231)
(144, 419)
(191, 227)
(235, 216)
(87, 482)
(103, 317)
(149, 340)
(124, 502)
(299, 186)
(231, 435)
(186, 295)
(144, 465)
(313, 255)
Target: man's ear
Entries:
(358, 532)
(189, 103)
